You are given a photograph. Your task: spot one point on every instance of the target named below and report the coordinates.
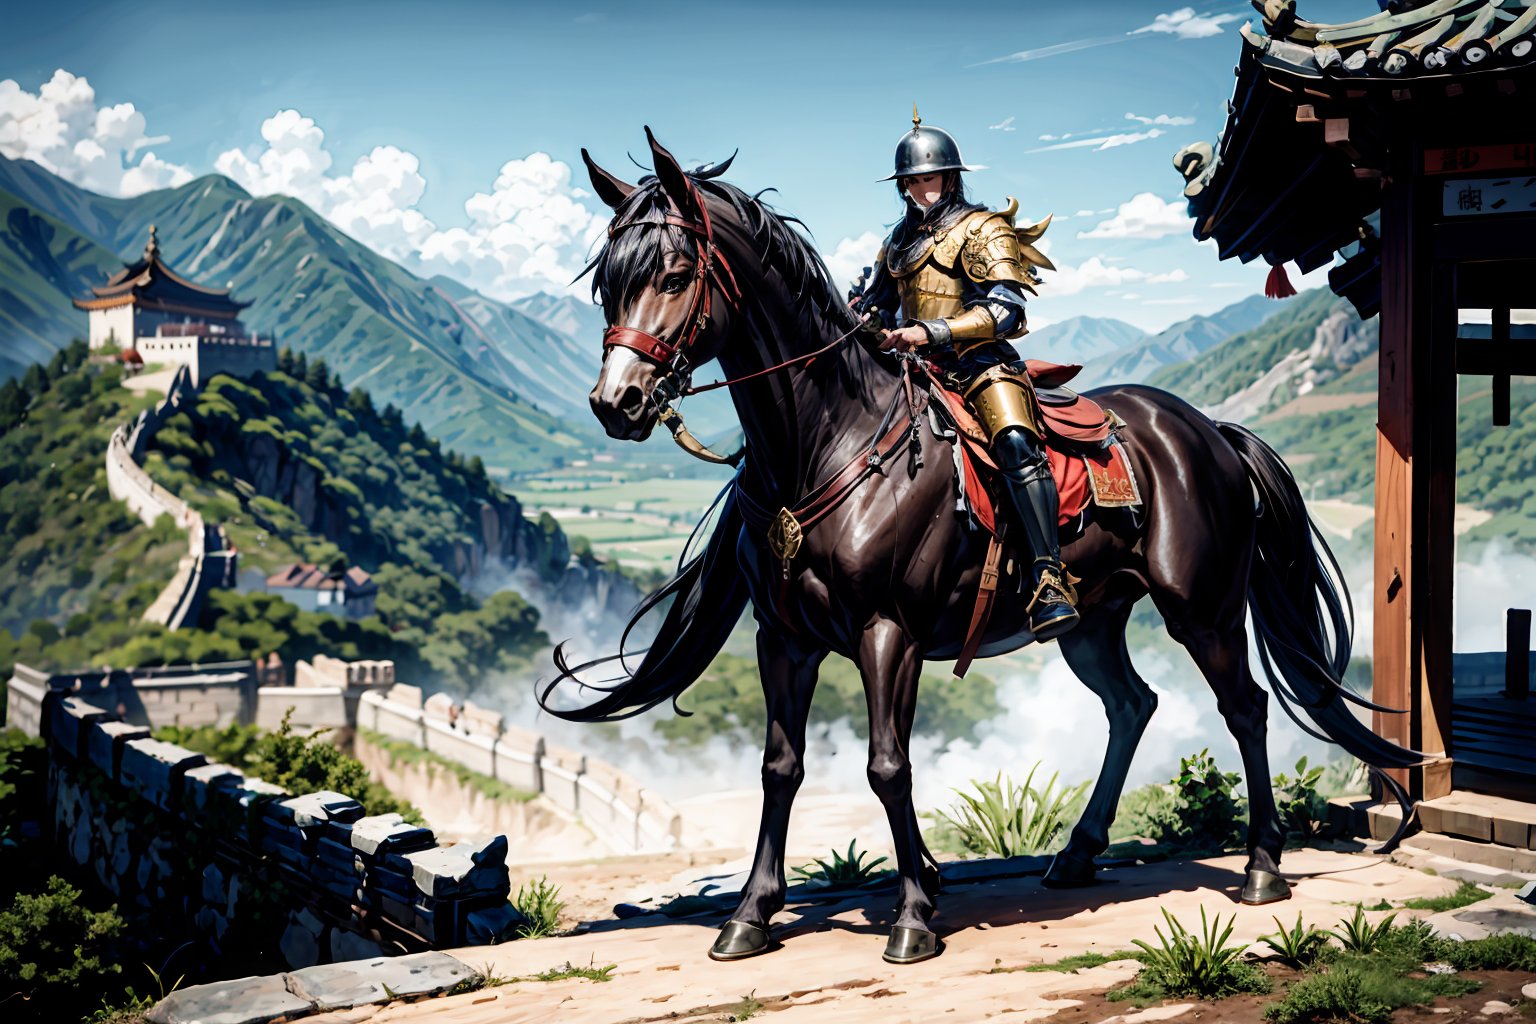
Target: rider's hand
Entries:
(904, 339)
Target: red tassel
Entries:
(1277, 285)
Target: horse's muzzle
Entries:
(628, 418)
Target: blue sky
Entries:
(451, 101)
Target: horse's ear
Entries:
(608, 188)
(674, 180)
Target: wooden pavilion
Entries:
(1405, 144)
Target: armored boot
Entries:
(1026, 475)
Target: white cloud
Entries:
(528, 233)
(1005, 125)
(1186, 24)
(1096, 272)
(1168, 119)
(1055, 49)
(61, 128)
(848, 260)
(1144, 215)
(1104, 142)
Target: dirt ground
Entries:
(827, 967)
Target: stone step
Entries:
(1480, 817)
(1505, 859)
(1361, 817)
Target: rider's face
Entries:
(925, 189)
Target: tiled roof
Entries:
(150, 284)
(1443, 37)
(308, 576)
(1297, 173)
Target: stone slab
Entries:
(1491, 855)
(312, 809)
(343, 986)
(70, 727)
(104, 744)
(1503, 912)
(241, 1001)
(154, 769)
(388, 833)
(461, 869)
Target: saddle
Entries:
(1088, 462)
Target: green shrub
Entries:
(1144, 812)
(1005, 819)
(299, 764)
(841, 870)
(54, 949)
(1508, 952)
(1302, 808)
(1206, 814)
(1185, 963)
(1360, 991)
(538, 902)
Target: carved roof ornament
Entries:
(1408, 38)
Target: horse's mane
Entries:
(629, 259)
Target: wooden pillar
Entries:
(1414, 464)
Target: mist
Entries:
(1048, 716)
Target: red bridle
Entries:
(712, 270)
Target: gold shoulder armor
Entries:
(995, 250)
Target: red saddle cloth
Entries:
(1102, 476)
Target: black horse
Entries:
(695, 269)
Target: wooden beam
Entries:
(1501, 380)
(1517, 653)
(1485, 357)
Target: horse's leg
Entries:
(890, 663)
(788, 672)
(1221, 654)
(1096, 652)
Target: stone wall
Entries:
(248, 866)
(623, 814)
(208, 563)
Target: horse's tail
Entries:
(708, 594)
(1303, 620)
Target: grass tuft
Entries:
(1466, 894)
(842, 869)
(1298, 947)
(591, 972)
(749, 1007)
(1186, 963)
(1072, 964)
(1004, 818)
(538, 901)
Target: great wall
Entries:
(208, 562)
(130, 809)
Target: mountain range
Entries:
(481, 375)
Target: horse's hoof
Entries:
(910, 945)
(739, 940)
(1263, 887)
(1068, 872)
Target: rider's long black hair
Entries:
(952, 204)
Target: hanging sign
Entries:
(1481, 197)
(1480, 159)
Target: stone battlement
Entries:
(132, 810)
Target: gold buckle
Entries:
(785, 535)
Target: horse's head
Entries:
(665, 287)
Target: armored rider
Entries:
(956, 272)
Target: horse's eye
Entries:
(674, 283)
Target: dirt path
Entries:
(829, 968)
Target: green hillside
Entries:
(1329, 434)
(44, 263)
(363, 487)
(70, 556)
(409, 342)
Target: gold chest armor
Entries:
(931, 292)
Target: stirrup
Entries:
(1054, 575)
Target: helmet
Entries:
(926, 150)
